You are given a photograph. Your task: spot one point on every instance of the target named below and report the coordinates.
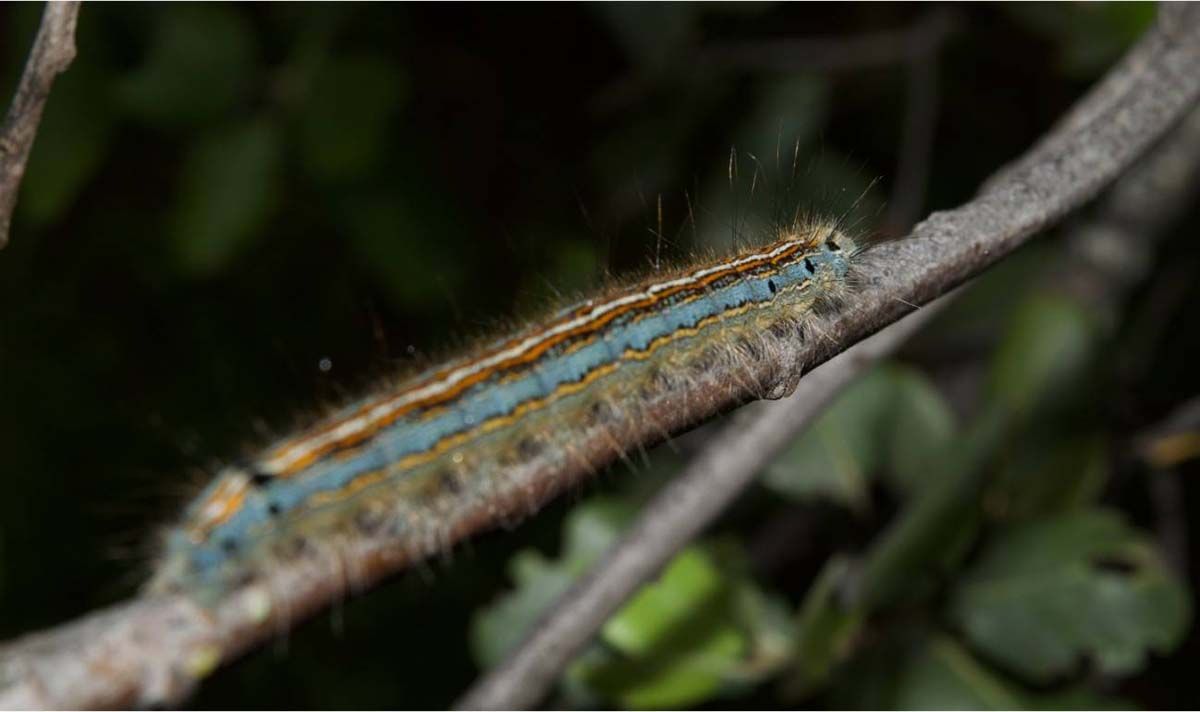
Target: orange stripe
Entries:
(531, 355)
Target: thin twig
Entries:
(53, 50)
(154, 650)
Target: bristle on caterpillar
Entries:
(415, 466)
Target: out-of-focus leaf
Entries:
(345, 121)
(228, 188)
(768, 622)
(20, 27)
(1078, 698)
(839, 452)
(1090, 37)
(685, 667)
(933, 532)
(1048, 592)
(1045, 353)
(497, 629)
(1049, 473)
(664, 604)
(200, 64)
(643, 158)
(892, 417)
(575, 265)
(945, 676)
(572, 269)
(590, 530)
(700, 628)
(979, 317)
(919, 428)
(825, 631)
(677, 639)
(395, 235)
(787, 114)
(653, 35)
(73, 140)
(924, 669)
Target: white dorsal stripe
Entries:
(305, 447)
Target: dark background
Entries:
(235, 214)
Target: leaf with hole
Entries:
(228, 188)
(1046, 593)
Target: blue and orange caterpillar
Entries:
(489, 436)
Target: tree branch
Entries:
(1099, 252)
(1113, 251)
(1135, 212)
(676, 515)
(154, 650)
(53, 50)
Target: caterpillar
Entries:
(419, 463)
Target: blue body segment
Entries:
(419, 432)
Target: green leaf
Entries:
(837, 455)
(228, 188)
(826, 630)
(921, 669)
(590, 530)
(570, 268)
(767, 621)
(1090, 37)
(397, 235)
(677, 639)
(347, 120)
(931, 534)
(71, 144)
(200, 66)
(497, 629)
(700, 628)
(945, 676)
(892, 415)
(653, 35)
(663, 605)
(1079, 698)
(925, 669)
(1052, 471)
(1047, 592)
(919, 429)
(1045, 353)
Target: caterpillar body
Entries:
(422, 463)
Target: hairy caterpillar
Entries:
(412, 466)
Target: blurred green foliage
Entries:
(1033, 574)
(224, 196)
